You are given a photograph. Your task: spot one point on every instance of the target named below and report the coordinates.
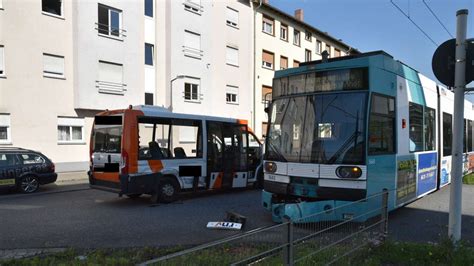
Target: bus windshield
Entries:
(322, 128)
(107, 135)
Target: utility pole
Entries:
(455, 197)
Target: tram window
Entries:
(470, 124)
(416, 127)
(447, 134)
(430, 129)
(382, 125)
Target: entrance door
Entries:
(235, 156)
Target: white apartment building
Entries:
(208, 65)
(283, 41)
(62, 61)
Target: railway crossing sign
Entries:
(444, 61)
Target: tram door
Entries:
(226, 155)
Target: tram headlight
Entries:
(348, 172)
(270, 167)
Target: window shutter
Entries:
(232, 15)
(2, 63)
(53, 64)
(110, 72)
(267, 57)
(283, 62)
(192, 40)
(232, 56)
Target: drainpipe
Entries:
(255, 65)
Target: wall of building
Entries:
(277, 46)
(33, 101)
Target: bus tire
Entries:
(168, 190)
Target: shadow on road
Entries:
(420, 225)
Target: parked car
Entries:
(25, 169)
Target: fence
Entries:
(301, 242)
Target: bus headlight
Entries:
(348, 172)
(270, 167)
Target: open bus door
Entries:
(227, 161)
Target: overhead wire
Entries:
(414, 23)
(441, 23)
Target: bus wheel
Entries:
(168, 190)
(133, 196)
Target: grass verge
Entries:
(468, 179)
(389, 253)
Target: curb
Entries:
(12, 254)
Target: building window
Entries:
(110, 21)
(191, 92)
(5, 133)
(193, 6)
(2, 60)
(307, 55)
(53, 66)
(382, 125)
(149, 8)
(232, 17)
(192, 44)
(267, 25)
(232, 56)
(267, 60)
(1, 4)
(328, 49)
(54, 7)
(470, 125)
(447, 134)
(337, 52)
(148, 98)
(110, 78)
(70, 130)
(283, 62)
(231, 94)
(296, 63)
(308, 36)
(149, 54)
(266, 93)
(319, 47)
(296, 37)
(284, 32)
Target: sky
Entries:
(371, 25)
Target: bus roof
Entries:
(157, 111)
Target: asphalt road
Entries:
(75, 216)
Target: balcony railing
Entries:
(110, 87)
(192, 52)
(107, 30)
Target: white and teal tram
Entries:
(350, 127)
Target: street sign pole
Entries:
(455, 197)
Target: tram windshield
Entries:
(323, 128)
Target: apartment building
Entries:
(60, 63)
(208, 67)
(284, 41)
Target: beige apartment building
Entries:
(284, 41)
(61, 62)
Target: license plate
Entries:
(7, 182)
(224, 225)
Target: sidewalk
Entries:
(72, 178)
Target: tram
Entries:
(343, 129)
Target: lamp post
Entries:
(171, 89)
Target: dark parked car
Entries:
(25, 169)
